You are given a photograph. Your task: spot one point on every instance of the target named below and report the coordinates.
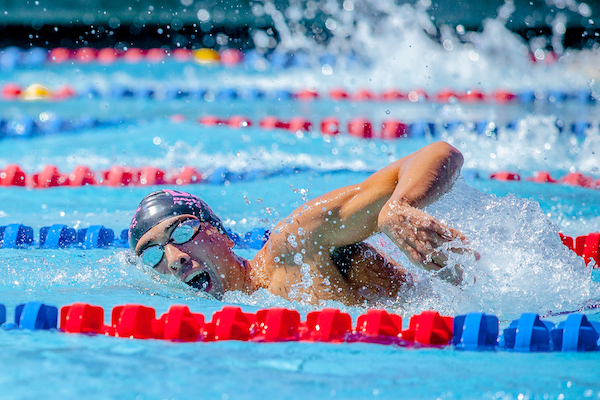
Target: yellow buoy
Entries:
(206, 56)
(36, 92)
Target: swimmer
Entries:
(318, 252)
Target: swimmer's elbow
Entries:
(445, 151)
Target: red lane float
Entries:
(578, 179)
(107, 56)
(85, 55)
(237, 121)
(64, 92)
(393, 129)
(299, 124)
(542, 177)
(187, 176)
(377, 325)
(327, 325)
(49, 177)
(211, 120)
(11, 91)
(586, 246)
(118, 176)
(268, 325)
(330, 126)
(503, 96)
(472, 96)
(12, 175)
(364, 94)
(155, 55)
(360, 127)
(59, 55)
(82, 176)
(338, 94)
(447, 95)
(571, 179)
(505, 176)
(307, 95)
(181, 55)
(231, 57)
(391, 95)
(295, 124)
(429, 328)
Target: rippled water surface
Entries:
(513, 225)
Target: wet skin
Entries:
(388, 201)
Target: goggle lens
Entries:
(152, 256)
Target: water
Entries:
(513, 225)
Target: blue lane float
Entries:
(95, 237)
(48, 123)
(14, 236)
(576, 334)
(57, 236)
(60, 236)
(33, 316)
(528, 334)
(476, 331)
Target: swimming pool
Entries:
(514, 225)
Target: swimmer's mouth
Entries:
(200, 281)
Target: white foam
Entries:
(524, 266)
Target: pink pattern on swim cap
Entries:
(134, 220)
(185, 198)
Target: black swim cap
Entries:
(163, 204)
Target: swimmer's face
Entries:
(195, 252)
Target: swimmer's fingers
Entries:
(416, 253)
(426, 249)
(449, 234)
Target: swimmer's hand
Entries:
(421, 236)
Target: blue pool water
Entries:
(513, 225)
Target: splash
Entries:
(535, 144)
(398, 45)
(523, 267)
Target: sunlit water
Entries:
(513, 225)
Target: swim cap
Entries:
(163, 204)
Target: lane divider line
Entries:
(15, 92)
(16, 236)
(48, 123)
(124, 176)
(58, 236)
(469, 332)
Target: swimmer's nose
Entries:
(175, 258)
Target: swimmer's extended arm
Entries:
(387, 201)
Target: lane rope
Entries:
(49, 123)
(60, 236)
(13, 57)
(470, 332)
(17, 236)
(16, 92)
(124, 176)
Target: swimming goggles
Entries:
(185, 231)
